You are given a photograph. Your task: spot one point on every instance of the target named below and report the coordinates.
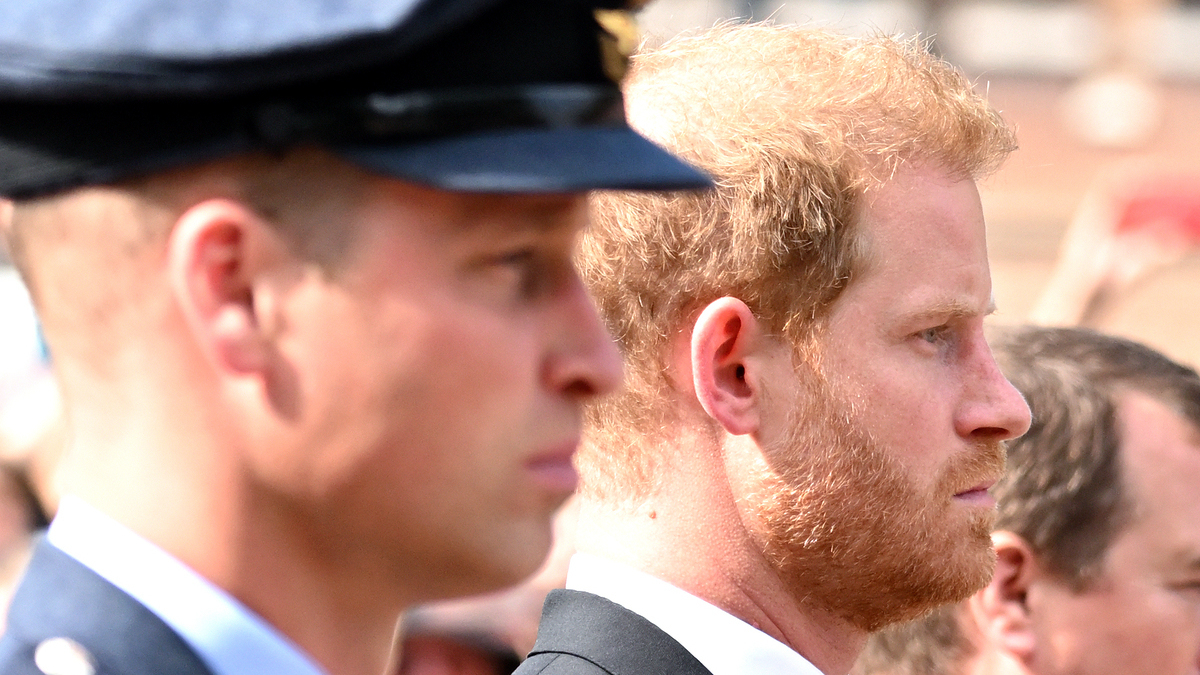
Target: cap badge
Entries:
(618, 40)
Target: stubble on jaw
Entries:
(849, 532)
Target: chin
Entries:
(965, 564)
(975, 571)
(942, 583)
(936, 570)
(510, 562)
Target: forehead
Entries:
(920, 208)
(1160, 452)
(923, 236)
(456, 214)
(1160, 456)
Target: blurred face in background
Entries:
(1142, 614)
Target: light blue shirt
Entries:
(228, 637)
(721, 642)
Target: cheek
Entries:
(1164, 626)
(430, 416)
(398, 377)
(1131, 628)
(453, 378)
(909, 416)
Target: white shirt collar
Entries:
(228, 637)
(724, 644)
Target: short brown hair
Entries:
(1063, 491)
(301, 193)
(794, 125)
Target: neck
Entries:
(338, 602)
(691, 535)
(337, 611)
(174, 476)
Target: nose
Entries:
(992, 409)
(584, 362)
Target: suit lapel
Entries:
(59, 597)
(610, 636)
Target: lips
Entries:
(978, 494)
(554, 469)
(982, 487)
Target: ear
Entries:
(1000, 609)
(216, 250)
(725, 381)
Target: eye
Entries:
(519, 259)
(934, 335)
(520, 267)
(531, 272)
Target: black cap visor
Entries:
(469, 95)
(533, 161)
(541, 139)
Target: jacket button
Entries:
(63, 656)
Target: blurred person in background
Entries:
(32, 434)
(1097, 542)
(305, 272)
(1137, 218)
(22, 516)
(812, 414)
(33, 437)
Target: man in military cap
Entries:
(304, 269)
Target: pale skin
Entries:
(510, 616)
(905, 339)
(331, 446)
(1142, 612)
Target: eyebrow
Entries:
(538, 213)
(951, 309)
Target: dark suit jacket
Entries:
(59, 597)
(581, 633)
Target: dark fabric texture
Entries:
(68, 48)
(59, 597)
(506, 96)
(585, 634)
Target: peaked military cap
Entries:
(470, 95)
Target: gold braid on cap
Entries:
(619, 38)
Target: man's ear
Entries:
(216, 250)
(725, 381)
(1001, 609)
